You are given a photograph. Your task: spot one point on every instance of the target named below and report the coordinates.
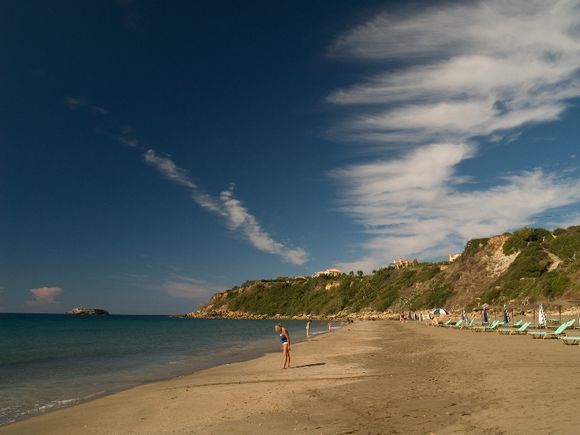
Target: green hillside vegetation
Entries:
(534, 264)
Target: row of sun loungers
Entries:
(519, 327)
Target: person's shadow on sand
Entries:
(310, 365)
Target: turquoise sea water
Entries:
(52, 361)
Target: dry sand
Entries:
(370, 377)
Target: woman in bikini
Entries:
(285, 339)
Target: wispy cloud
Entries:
(185, 287)
(414, 205)
(471, 69)
(464, 71)
(75, 103)
(44, 295)
(236, 216)
(129, 141)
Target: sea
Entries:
(50, 361)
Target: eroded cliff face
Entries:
(474, 271)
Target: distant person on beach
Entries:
(308, 328)
(285, 340)
(434, 320)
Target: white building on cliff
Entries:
(327, 272)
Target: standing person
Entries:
(308, 328)
(285, 340)
(484, 316)
(506, 315)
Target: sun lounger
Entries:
(516, 324)
(447, 322)
(510, 331)
(492, 327)
(467, 325)
(555, 334)
(570, 340)
(457, 324)
(484, 328)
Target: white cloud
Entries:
(463, 71)
(169, 170)
(413, 205)
(129, 141)
(479, 68)
(187, 288)
(75, 103)
(44, 295)
(237, 217)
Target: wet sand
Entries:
(369, 377)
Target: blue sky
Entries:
(152, 154)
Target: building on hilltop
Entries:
(402, 263)
(453, 257)
(327, 272)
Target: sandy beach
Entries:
(369, 377)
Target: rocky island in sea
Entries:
(84, 311)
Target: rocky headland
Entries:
(516, 270)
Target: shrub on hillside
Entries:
(522, 238)
(435, 296)
(553, 284)
(566, 245)
(473, 246)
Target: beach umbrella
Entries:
(541, 316)
(440, 312)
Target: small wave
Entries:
(58, 403)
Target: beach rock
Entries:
(84, 311)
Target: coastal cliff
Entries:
(521, 268)
(84, 311)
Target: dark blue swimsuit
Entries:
(283, 339)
